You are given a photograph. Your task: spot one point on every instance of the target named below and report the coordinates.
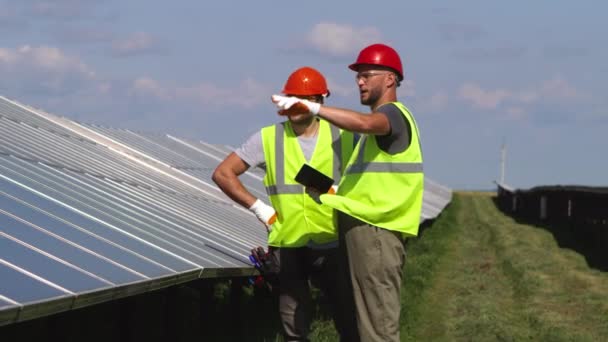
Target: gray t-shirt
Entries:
(252, 150)
(398, 140)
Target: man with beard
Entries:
(302, 234)
(379, 198)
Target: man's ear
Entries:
(393, 78)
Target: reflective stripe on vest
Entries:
(281, 188)
(360, 166)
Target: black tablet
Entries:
(311, 177)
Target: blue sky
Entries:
(478, 73)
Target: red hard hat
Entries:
(306, 81)
(379, 54)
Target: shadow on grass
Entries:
(586, 241)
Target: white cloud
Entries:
(341, 89)
(435, 103)
(438, 101)
(42, 59)
(515, 113)
(104, 87)
(480, 98)
(147, 86)
(247, 94)
(341, 40)
(557, 87)
(136, 43)
(554, 90)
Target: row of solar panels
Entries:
(82, 222)
(90, 214)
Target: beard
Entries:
(302, 119)
(373, 95)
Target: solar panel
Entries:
(90, 213)
(81, 222)
(195, 159)
(434, 199)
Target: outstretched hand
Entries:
(290, 105)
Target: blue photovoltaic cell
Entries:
(95, 227)
(40, 145)
(23, 288)
(174, 240)
(47, 268)
(79, 236)
(193, 159)
(70, 253)
(149, 231)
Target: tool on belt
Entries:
(267, 265)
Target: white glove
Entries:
(285, 103)
(265, 213)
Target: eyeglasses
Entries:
(366, 75)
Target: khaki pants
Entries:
(375, 259)
(298, 266)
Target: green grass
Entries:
(496, 280)
(477, 275)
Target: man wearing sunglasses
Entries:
(302, 234)
(379, 198)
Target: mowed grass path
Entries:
(477, 275)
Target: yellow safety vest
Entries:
(381, 189)
(300, 219)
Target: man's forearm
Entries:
(350, 120)
(233, 188)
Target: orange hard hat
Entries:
(306, 81)
(382, 55)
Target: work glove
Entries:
(290, 105)
(265, 213)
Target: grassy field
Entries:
(477, 275)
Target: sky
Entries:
(529, 75)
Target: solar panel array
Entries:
(90, 214)
(82, 223)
